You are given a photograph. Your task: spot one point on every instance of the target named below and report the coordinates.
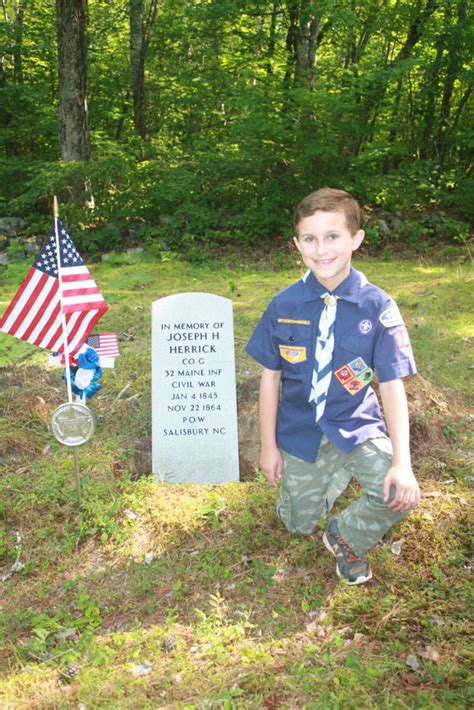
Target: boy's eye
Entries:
(333, 236)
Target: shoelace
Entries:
(350, 554)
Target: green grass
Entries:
(229, 610)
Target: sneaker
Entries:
(349, 566)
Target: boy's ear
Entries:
(357, 239)
(297, 242)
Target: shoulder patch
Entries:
(391, 317)
(400, 335)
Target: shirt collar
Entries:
(349, 289)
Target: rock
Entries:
(135, 251)
(4, 259)
(10, 226)
(141, 669)
(383, 226)
(31, 246)
(412, 662)
(396, 222)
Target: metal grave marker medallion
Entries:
(72, 424)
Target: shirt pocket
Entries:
(357, 345)
(294, 345)
(353, 363)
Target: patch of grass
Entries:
(194, 596)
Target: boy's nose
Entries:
(320, 249)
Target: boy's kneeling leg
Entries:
(367, 519)
(302, 500)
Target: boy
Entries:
(321, 340)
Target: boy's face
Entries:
(326, 245)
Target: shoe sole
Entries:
(359, 580)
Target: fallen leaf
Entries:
(117, 469)
(130, 515)
(141, 669)
(148, 559)
(438, 620)
(317, 629)
(430, 653)
(412, 662)
(397, 546)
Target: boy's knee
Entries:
(297, 518)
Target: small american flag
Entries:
(34, 314)
(104, 344)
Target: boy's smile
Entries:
(326, 245)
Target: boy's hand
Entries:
(271, 464)
(407, 490)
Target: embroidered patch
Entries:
(353, 386)
(344, 374)
(391, 317)
(365, 326)
(296, 322)
(354, 376)
(293, 353)
(400, 335)
(357, 365)
(366, 376)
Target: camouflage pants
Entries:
(308, 491)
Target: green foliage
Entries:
(238, 132)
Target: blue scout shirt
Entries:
(369, 336)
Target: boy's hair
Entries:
(329, 199)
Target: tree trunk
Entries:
(141, 21)
(18, 50)
(137, 62)
(72, 79)
(452, 72)
(307, 37)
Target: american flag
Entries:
(104, 344)
(34, 314)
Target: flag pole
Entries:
(66, 345)
(63, 316)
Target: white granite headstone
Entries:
(194, 410)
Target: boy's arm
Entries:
(400, 473)
(270, 458)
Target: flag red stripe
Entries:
(45, 329)
(87, 327)
(42, 290)
(67, 278)
(54, 337)
(41, 295)
(91, 305)
(17, 296)
(80, 292)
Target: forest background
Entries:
(183, 123)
